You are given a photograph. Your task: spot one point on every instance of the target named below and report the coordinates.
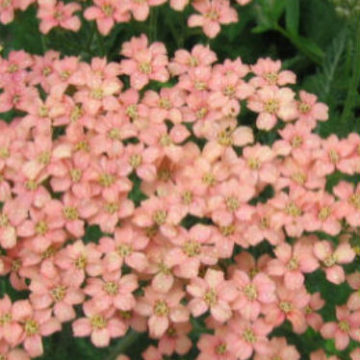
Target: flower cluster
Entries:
(181, 194)
(209, 14)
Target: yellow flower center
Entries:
(254, 163)
(221, 349)
(334, 156)
(4, 153)
(187, 197)
(131, 111)
(324, 213)
(98, 322)
(111, 288)
(250, 292)
(81, 262)
(249, 336)
(161, 308)
(145, 67)
(159, 217)
(97, 94)
(4, 220)
(70, 213)
(192, 248)
(232, 203)
(297, 141)
(330, 261)
(225, 137)
(354, 200)
(106, 180)
(293, 264)
(76, 113)
(111, 208)
(286, 306)
(124, 250)
(344, 326)
(209, 179)
(31, 327)
(271, 78)
(227, 230)
(210, 298)
(165, 103)
(107, 9)
(41, 227)
(299, 178)
(304, 108)
(272, 106)
(58, 293)
(5, 319)
(293, 210)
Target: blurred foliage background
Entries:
(317, 39)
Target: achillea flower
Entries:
(99, 325)
(333, 259)
(272, 104)
(162, 308)
(213, 13)
(141, 9)
(146, 62)
(52, 13)
(345, 328)
(212, 293)
(106, 13)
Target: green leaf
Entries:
(292, 16)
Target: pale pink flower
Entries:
(100, 326)
(321, 355)
(10, 330)
(293, 262)
(355, 354)
(141, 9)
(53, 293)
(213, 13)
(36, 324)
(349, 205)
(279, 349)
(212, 293)
(176, 339)
(333, 259)
(106, 13)
(314, 319)
(272, 104)
(215, 347)
(77, 260)
(353, 280)
(253, 292)
(345, 328)
(290, 306)
(309, 110)
(191, 249)
(179, 5)
(52, 13)
(113, 290)
(246, 337)
(146, 62)
(183, 61)
(127, 247)
(268, 73)
(162, 308)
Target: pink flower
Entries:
(253, 293)
(292, 263)
(272, 104)
(279, 349)
(347, 327)
(211, 293)
(353, 280)
(106, 13)
(77, 260)
(36, 324)
(248, 337)
(161, 309)
(55, 294)
(216, 347)
(268, 73)
(290, 306)
(146, 62)
(311, 111)
(112, 291)
(333, 259)
(10, 330)
(141, 9)
(314, 319)
(101, 326)
(52, 13)
(349, 205)
(213, 13)
(176, 339)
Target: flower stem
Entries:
(124, 344)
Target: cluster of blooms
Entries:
(210, 14)
(82, 146)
